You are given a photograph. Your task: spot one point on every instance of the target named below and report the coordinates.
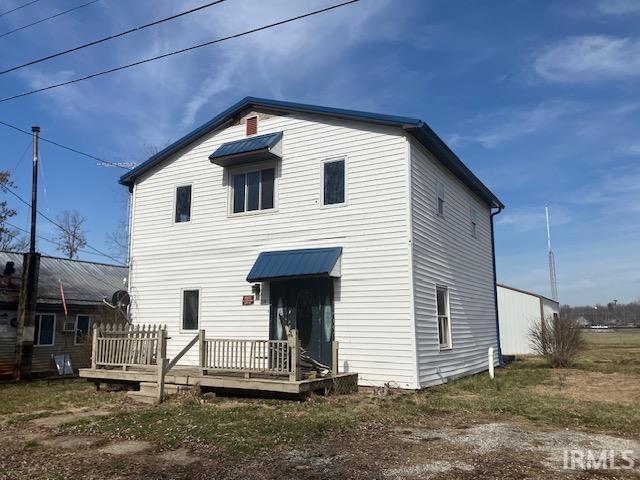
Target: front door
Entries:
(307, 305)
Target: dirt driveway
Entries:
(439, 449)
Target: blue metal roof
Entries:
(415, 127)
(262, 144)
(294, 263)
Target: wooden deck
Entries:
(189, 376)
(138, 355)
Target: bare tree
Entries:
(70, 238)
(558, 339)
(119, 241)
(10, 238)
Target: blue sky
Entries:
(539, 98)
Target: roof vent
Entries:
(252, 125)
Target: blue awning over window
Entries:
(251, 149)
(296, 263)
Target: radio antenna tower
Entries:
(552, 260)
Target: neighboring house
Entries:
(518, 311)
(353, 226)
(85, 285)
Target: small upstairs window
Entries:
(183, 204)
(253, 190)
(440, 198)
(473, 218)
(251, 126)
(333, 185)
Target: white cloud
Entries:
(512, 124)
(632, 149)
(618, 7)
(589, 59)
(529, 219)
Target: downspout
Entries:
(495, 285)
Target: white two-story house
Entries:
(353, 226)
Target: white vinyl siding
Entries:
(373, 312)
(445, 254)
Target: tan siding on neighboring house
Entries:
(214, 252)
(445, 253)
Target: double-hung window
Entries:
(190, 309)
(44, 329)
(444, 319)
(83, 327)
(253, 190)
(333, 182)
(183, 204)
(440, 198)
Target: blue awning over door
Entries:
(296, 263)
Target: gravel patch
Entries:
(180, 456)
(427, 470)
(126, 447)
(495, 437)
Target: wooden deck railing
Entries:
(127, 346)
(145, 346)
(266, 357)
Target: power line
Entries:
(176, 52)
(111, 37)
(47, 18)
(18, 8)
(60, 145)
(56, 223)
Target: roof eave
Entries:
(429, 139)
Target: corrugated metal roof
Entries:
(294, 263)
(415, 127)
(83, 282)
(246, 145)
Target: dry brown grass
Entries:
(594, 386)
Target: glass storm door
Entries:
(305, 304)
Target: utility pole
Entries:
(29, 292)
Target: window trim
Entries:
(449, 345)
(190, 289)
(252, 167)
(53, 337)
(75, 333)
(324, 161)
(175, 203)
(440, 183)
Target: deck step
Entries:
(152, 388)
(143, 397)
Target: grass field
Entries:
(601, 394)
(526, 389)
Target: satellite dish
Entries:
(120, 299)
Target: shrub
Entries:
(558, 339)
